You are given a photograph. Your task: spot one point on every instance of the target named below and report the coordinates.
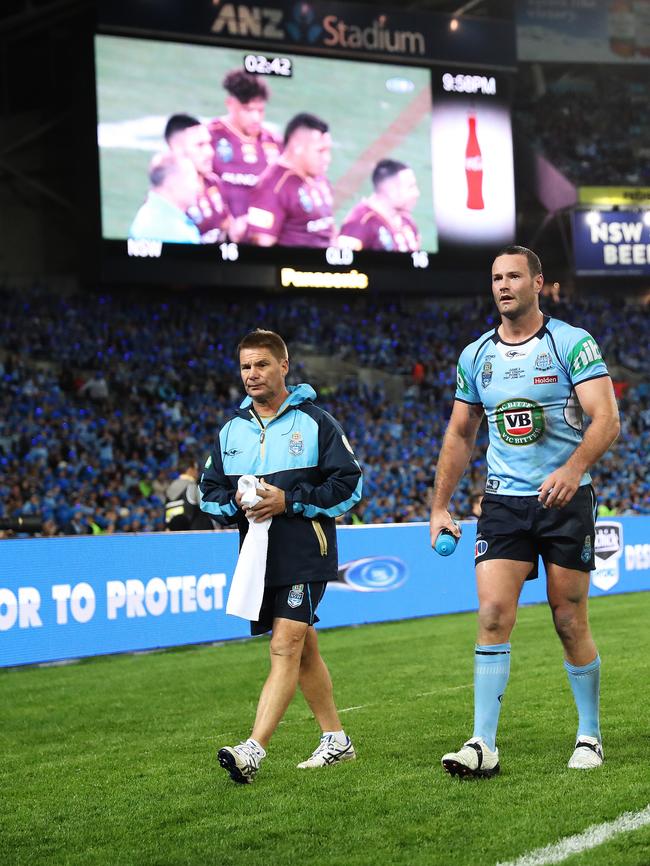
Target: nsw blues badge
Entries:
(296, 444)
(296, 595)
(486, 374)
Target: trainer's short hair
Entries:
(179, 123)
(386, 168)
(304, 120)
(534, 264)
(161, 167)
(244, 86)
(261, 339)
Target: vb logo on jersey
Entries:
(520, 422)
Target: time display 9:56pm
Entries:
(258, 64)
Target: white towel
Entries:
(247, 588)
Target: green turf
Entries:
(112, 761)
(140, 79)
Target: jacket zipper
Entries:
(263, 428)
(320, 535)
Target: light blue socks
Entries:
(585, 685)
(491, 672)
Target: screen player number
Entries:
(339, 256)
(420, 259)
(229, 252)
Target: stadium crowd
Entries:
(104, 396)
(579, 138)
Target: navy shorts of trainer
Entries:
(297, 602)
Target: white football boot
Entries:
(587, 754)
(474, 760)
(242, 761)
(329, 751)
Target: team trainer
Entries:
(310, 477)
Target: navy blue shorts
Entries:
(520, 528)
(297, 602)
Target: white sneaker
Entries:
(474, 760)
(242, 761)
(588, 754)
(329, 751)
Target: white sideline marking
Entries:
(590, 838)
(363, 707)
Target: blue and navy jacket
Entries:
(304, 451)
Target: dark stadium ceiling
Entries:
(33, 14)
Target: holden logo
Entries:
(520, 422)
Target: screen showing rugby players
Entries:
(200, 146)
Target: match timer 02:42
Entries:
(259, 64)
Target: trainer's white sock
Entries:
(339, 736)
(261, 751)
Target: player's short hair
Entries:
(261, 339)
(304, 120)
(179, 123)
(161, 167)
(244, 86)
(534, 264)
(386, 168)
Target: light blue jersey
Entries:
(527, 392)
(160, 220)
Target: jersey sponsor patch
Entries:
(520, 421)
(296, 595)
(263, 219)
(492, 485)
(461, 380)
(545, 380)
(584, 355)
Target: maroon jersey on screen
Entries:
(210, 213)
(295, 210)
(239, 161)
(365, 228)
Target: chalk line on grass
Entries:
(589, 838)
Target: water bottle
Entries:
(445, 542)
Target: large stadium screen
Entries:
(214, 153)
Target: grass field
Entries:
(112, 761)
(142, 82)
